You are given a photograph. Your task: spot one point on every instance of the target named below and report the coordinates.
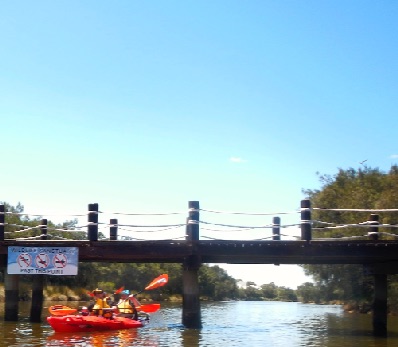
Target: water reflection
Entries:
(122, 338)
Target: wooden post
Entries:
(373, 233)
(11, 289)
(113, 230)
(11, 282)
(192, 231)
(43, 229)
(38, 285)
(2, 221)
(93, 222)
(191, 315)
(306, 230)
(379, 318)
(276, 229)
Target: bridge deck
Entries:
(221, 251)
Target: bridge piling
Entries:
(379, 318)
(11, 293)
(380, 295)
(191, 315)
(38, 282)
(11, 282)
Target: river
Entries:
(233, 324)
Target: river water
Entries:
(233, 324)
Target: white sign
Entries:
(56, 261)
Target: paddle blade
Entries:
(158, 282)
(117, 291)
(149, 308)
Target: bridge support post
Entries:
(36, 307)
(11, 289)
(379, 318)
(191, 315)
(37, 298)
(11, 282)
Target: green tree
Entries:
(286, 294)
(269, 291)
(308, 292)
(365, 188)
(252, 293)
(214, 282)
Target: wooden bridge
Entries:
(379, 257)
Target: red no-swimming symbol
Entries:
(24, 260)
(60, 260)
(42, 260)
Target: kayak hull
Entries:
(76, 323)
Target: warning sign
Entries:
(43, 260)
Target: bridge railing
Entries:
(198, 225)
(371, 228)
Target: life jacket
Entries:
(100, 303)
(124, 306)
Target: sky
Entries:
(142, 106)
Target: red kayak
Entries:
(77, 323)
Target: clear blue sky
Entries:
(141, 106)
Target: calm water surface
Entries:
(224, 324)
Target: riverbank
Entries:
(57, 293)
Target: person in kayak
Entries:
(126, 306)
(100, 302)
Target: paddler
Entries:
(100, 302)
(126, 306)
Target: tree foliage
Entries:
(364, 188)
